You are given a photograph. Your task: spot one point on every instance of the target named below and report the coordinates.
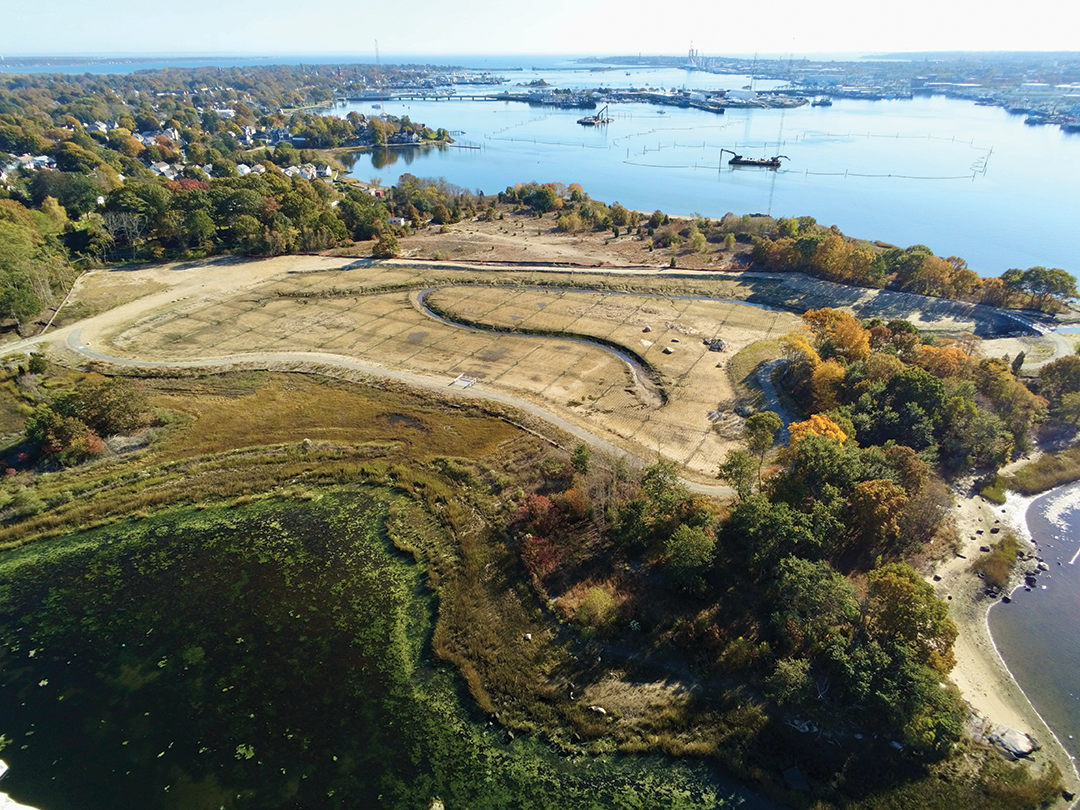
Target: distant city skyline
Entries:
(482, 27)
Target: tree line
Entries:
(801, 245)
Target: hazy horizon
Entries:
(481, 27)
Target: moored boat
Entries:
(594, 120)
(767, 163)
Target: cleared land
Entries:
(368, 312)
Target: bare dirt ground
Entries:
(370, 313)
(525, 238)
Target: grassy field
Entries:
(450, 478)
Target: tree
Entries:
(838, 333)
(1044, 285)
(813, 602)
(760, 431)
(738, 470)
(816, 425)
(762, 533)
(200, 228)
(876, 507)
(1018, 362)
(1060, 377)
(903, 607)
(789, 683)
(580, 459)
(690, 553)
(386, 246)
(64, 437)
(825, 384)
(1069, 409)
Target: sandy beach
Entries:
(980, 673)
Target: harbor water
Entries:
(964, 180)
(1038, 631)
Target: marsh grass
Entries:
(1046, 472)
(997, 566)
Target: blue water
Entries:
(1038, 634)
(966, 181)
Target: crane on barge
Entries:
(767, 163)
(601, 117)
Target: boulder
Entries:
(1013, 744)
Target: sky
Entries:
(433, 27)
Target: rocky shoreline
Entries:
(1002, 716)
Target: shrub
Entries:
(597, 610)
(386, 247)
(996, 567)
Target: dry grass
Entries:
(244, 434)
(289, 408)
(101, 290)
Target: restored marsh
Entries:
(267, 655)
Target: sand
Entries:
(981, 675)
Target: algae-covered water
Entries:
(266, 655)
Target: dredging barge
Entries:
(595, 120)
(767, 163)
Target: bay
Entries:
(965, 180)
(1038, 632)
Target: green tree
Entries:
(738, 470)
(1069, 409)
(1018, 363)
(760, 431)
(580, 459)
(386, 246)
(903, 607)
(200, 228)
(1060, 377)
(814, 604)
(690, 552)
(789, 684)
